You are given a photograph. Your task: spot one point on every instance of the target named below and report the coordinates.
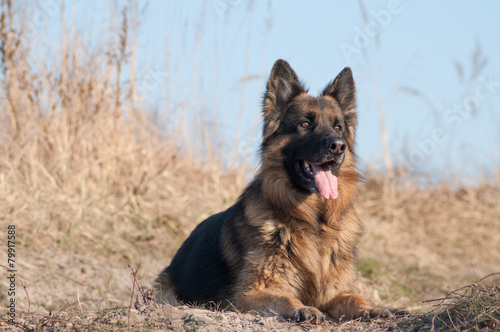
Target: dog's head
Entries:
(312, 137)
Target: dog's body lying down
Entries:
(288, 244)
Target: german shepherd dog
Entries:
(287, 246)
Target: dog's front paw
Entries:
(376, 312)
(307, 314)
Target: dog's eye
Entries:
(305, 124)
(337, 128)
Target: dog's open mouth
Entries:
(320, 177)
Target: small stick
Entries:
(134, 274)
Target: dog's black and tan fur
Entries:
(287, 246)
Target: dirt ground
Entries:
(165, 317)
(475, 307)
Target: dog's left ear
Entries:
(343, 89)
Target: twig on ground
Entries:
(134, 282)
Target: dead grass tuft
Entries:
(473, 307)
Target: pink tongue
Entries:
(325, 181)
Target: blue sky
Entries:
(210, 61)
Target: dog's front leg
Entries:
(269, 302)
(350, 306)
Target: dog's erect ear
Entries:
(282, 87)
(343, 89)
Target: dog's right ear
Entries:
(282, 87)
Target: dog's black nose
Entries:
(335, 145)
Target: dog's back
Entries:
(198, 272)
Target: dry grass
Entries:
(422, 241)
(473, 307)
(85, 177)
(92, 186)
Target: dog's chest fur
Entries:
(312, 262)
